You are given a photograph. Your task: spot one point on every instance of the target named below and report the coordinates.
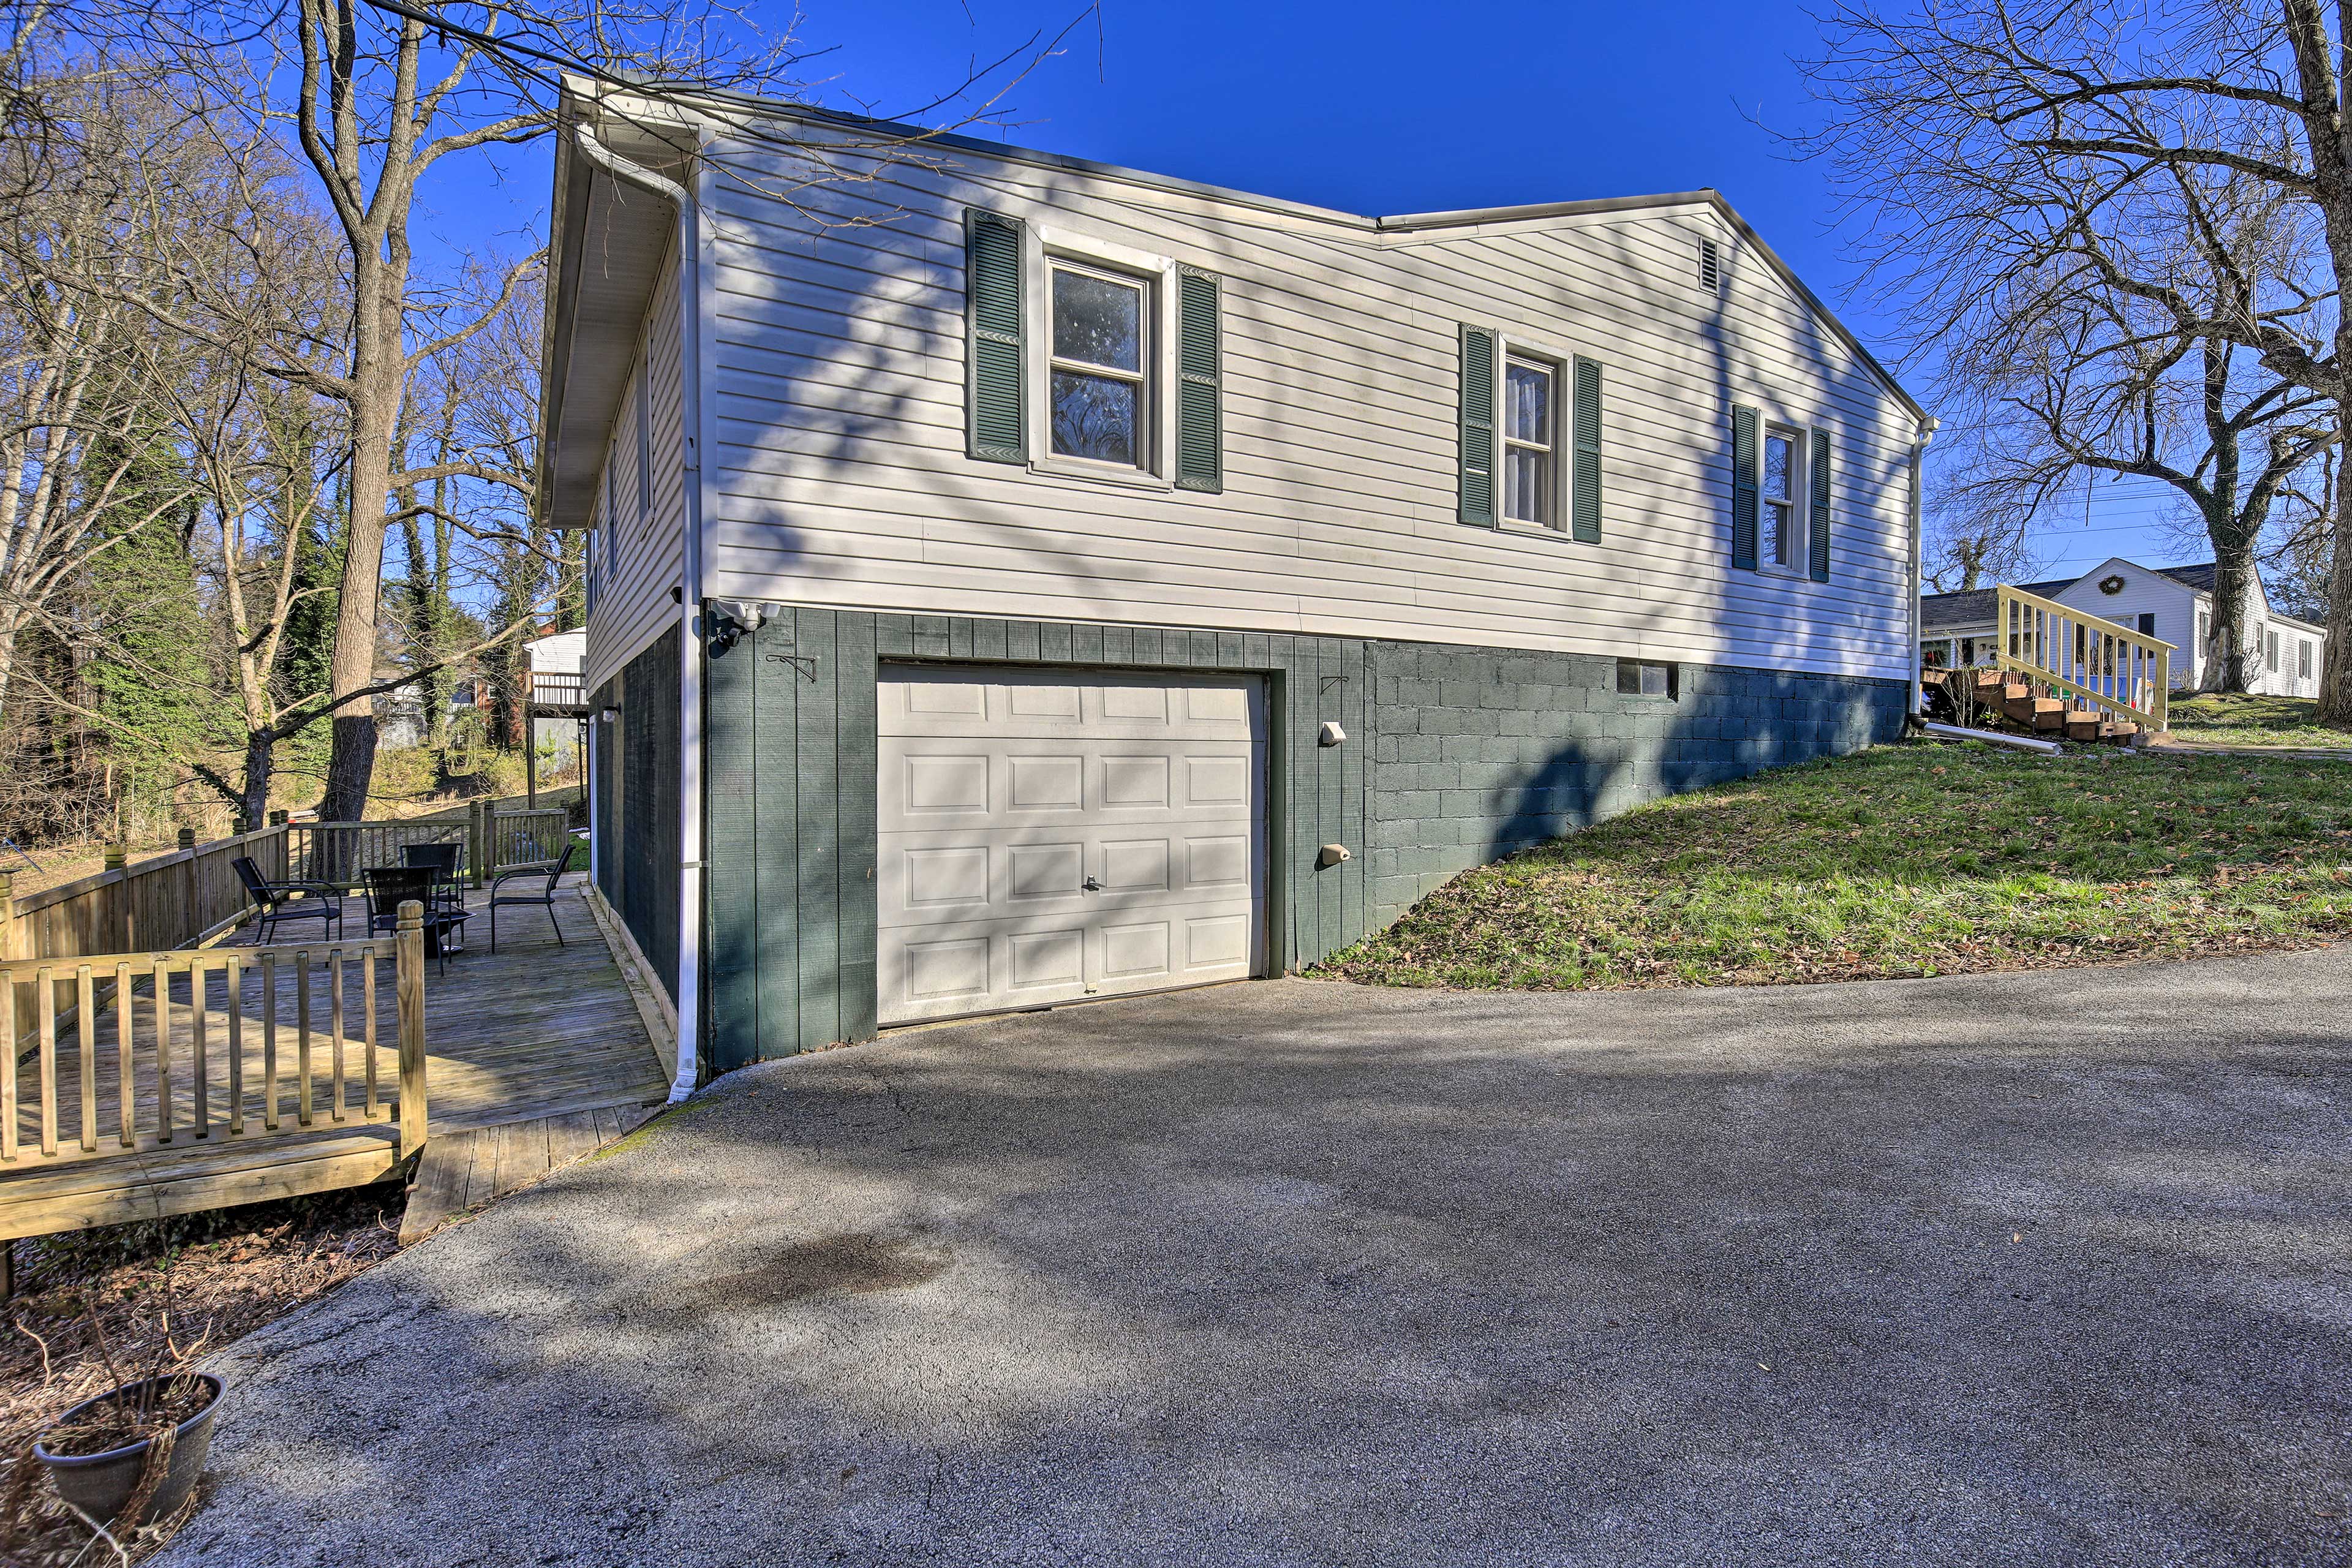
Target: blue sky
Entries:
(1373, 106)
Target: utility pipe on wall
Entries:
(689, 662)
(1927, 428)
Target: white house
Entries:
(1016, 580)
(2172, 603)
(555, 660)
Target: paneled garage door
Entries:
(1050, 835)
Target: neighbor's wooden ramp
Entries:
(461, 1171)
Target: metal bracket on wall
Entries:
(805, 663)
(1331, 681)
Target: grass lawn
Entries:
(2216, 720)
(1917, 859)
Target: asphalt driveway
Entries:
(2001, 1269)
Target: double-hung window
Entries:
(1530, 463)
(1784, 526)
(1100, 392)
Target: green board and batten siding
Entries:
(791, 775)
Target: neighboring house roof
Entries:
(1973, 607)
(1942, 615)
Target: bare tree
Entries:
(1940, 118)
(81, 372)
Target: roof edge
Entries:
(728, 105)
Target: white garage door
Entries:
(1052, 835)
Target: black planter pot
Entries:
(101, 1484)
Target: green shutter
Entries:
(1477, 425)
(1200, 380)
(1584, 492)
(993, 327)
(1821, 499)
(1747, 426)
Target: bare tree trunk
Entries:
(379, 377)
(2336, 668)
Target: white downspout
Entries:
(690, 661)
(1927, 428)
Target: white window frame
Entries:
(1558, 360)
(1156, 413)
(1800, 502)
(1553, 518)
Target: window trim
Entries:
(1555, 518)
(1560, 360)
(1156, 421)
(1799, 500)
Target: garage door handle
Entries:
(1091, 886)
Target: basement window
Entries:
(1646, 677)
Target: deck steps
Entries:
(2016, 702)
(463, 1171)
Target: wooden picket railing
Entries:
(336, 853)
(2084, 659)
(529, 837)
(197, 1071)
(177, 900)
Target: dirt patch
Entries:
(96, 1307)
(848, 1264)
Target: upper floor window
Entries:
(1784, 543)
(1529, 460)
(1101, 388)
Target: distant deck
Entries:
(537, 1033)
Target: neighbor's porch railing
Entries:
(141, 1053)
(2100, 663)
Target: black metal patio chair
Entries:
(288, 900)
(389, 887)
(542, 895)
(444, 860)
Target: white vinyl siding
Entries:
(639, 556)
(840, 476)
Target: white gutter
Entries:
(690, 661)
(1927, 428)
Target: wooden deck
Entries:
(537, 1032)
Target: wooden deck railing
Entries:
(138, 1054)
(337, 852)
(2098, 663)
(529, 837)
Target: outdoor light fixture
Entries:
(730, 621)
(609, 714)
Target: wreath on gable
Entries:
(2111, 585)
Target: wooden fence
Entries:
(182, 899)
(200, 1055)
(2084, 659)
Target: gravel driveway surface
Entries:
(2031, 1270)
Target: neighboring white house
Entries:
(2171, 603)
(1014, 580)
(554, 661)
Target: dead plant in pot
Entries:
(123, 1464)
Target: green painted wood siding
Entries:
(637, 802)
(791, 820)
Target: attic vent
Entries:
(1710, 266)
